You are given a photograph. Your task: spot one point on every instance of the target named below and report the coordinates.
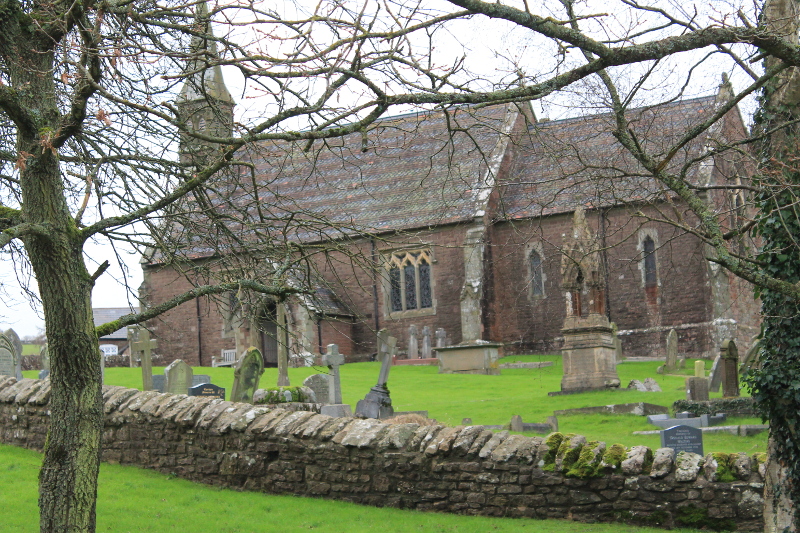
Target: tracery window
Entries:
(409, 274)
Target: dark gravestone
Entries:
(697, 389)
(683, 439)
(730, 369)
(158, 381)
(199, 379)
(208, 390)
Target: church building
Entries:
(465, 220)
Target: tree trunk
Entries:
(778, 505)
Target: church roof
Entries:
(563, 164)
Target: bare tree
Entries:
(92, 116)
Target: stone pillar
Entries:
(283, 347)
(472, 291)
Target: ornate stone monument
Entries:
(730, 369)
(589, 354)
(377, 403)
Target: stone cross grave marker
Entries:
(426, 343)
(672, 352)
(16, 342)
(683, 439)
(382, 336)
(413, 346)
(142, 347)
(7, 365)
(730, 369)
(441, 338)
(321, 386)
(179, 377)
(333, 360)
(715, 377)
(377, 403)
(208, 390)
(246, 375)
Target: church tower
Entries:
(204, 101)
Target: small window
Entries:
(109, 350)
(409, 281)
(537, 277)
(650, 269)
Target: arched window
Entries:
(650, 269)
(409, 283)
(537, 277)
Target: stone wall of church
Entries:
(681, 298)
(467, 470)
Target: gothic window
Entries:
(409, 281)
(650, 269)
(537, 276)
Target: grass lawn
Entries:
(495, 399)
(132, 500)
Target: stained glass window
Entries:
(395, 296)
(425, 293)
(650, 272)
(410, 282)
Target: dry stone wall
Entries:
(467, 470)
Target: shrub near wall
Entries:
(466, 470)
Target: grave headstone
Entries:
(617, 342)
(683, 439)
(199, 379)
(651, 385)
(751, 356)
(44, 374)
(413, 343)
(466, 421)
(159, 382)
(730, 369)
(333, 360)
(672, 352)
(426, 343)
(441, 338)
(17, 344)
(142, 348)
(320, 384)
(246, 375)
(44, 357)
(715, 377)
(208, 390)
(377, 403)
(7, 362)
(179, 377)
(700, 369)
(635, 384)
(697, 389)
(516, 423)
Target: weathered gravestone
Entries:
(730, 369)
(179, 377)
(7, 363)
(320, 384)
(142, 348)
(17, 344)
(44, 362)
(441, 338)
(413, 346)
(377, 403)
(697, 389)
(208, 390)
(683, 439)
(700, 369)
(516, 423)
(199, 379)
(426, 343)
(159, 382)
(246, 375)
(715, 377)
(333, 360)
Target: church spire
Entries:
(204, 102)
(204, 82)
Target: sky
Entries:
(117, 286)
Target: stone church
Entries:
(465, 220)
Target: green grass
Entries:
(493, 400)
(132, 500)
